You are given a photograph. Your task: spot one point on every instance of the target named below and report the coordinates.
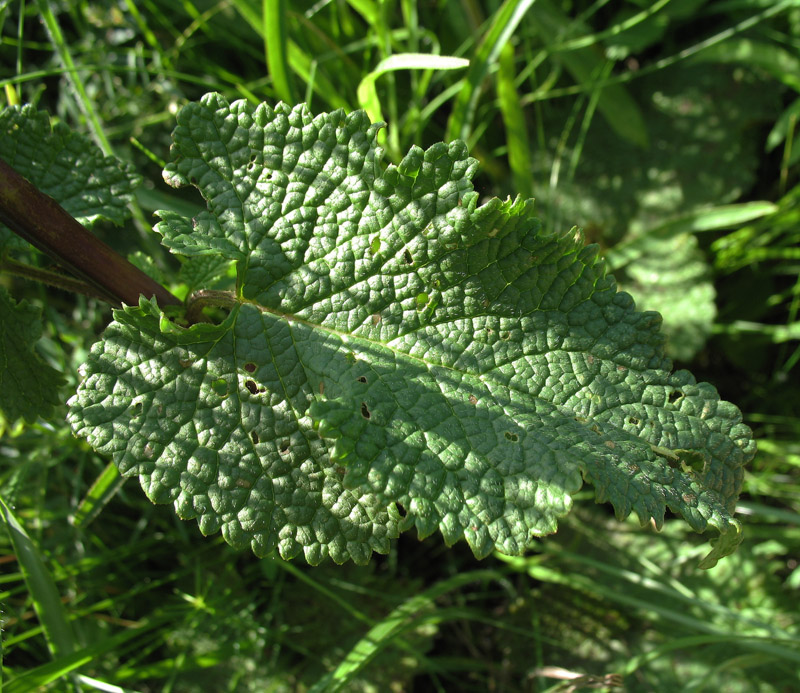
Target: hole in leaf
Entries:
(262, 389)
(220, 387)
(250, 385)
(633, 420)
(137, 409)
(365, 411)
(375, 246)
(473, 399)
(401, 510)
(505, 336)
(362, 378)
(250, 367)
(284, 447)
(376, 318)
(422, 300)
(185, 363)
(674, 396)
(407, 257)
(254, 437)
(513, 437)
(148, 451)
(350, 356)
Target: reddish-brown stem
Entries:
(41, 221)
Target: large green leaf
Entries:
(395, 356)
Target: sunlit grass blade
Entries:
(711, 219)
(519, 148)
(41, 587)
(382, 633)
(299, 61)
(777, 334)
(274, 14)
(505, 22)
(73, 75)
(101, 492)
(367, 92)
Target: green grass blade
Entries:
(614, 30)
(101, 492)
(367, 9)
(505, 22)
(712, 219)
(519, 148)
(275, 46)
(300, 62)
(618, 107)
(59, 43)
(724, 35)
(41, 586)
(382, 633)
(368, 94)
(45, 674)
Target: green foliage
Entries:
(28, 386)
(66, 166)
(462, 362)
(154, 606)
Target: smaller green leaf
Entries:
(28, 386)
(66, 166)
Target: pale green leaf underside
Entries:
(399, 357)
(28, 386)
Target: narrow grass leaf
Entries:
(711, 219)
(367, 92)
(505, 22)
(101, 492)
(519, 149)
(41, 586)
(33, 679)
(59, 43)
(367, 9)
(382, 634)
(618, 107)
(275, 47)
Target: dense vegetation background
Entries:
(665, 130)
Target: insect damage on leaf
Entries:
(503, 371)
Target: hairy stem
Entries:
(41, 221)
